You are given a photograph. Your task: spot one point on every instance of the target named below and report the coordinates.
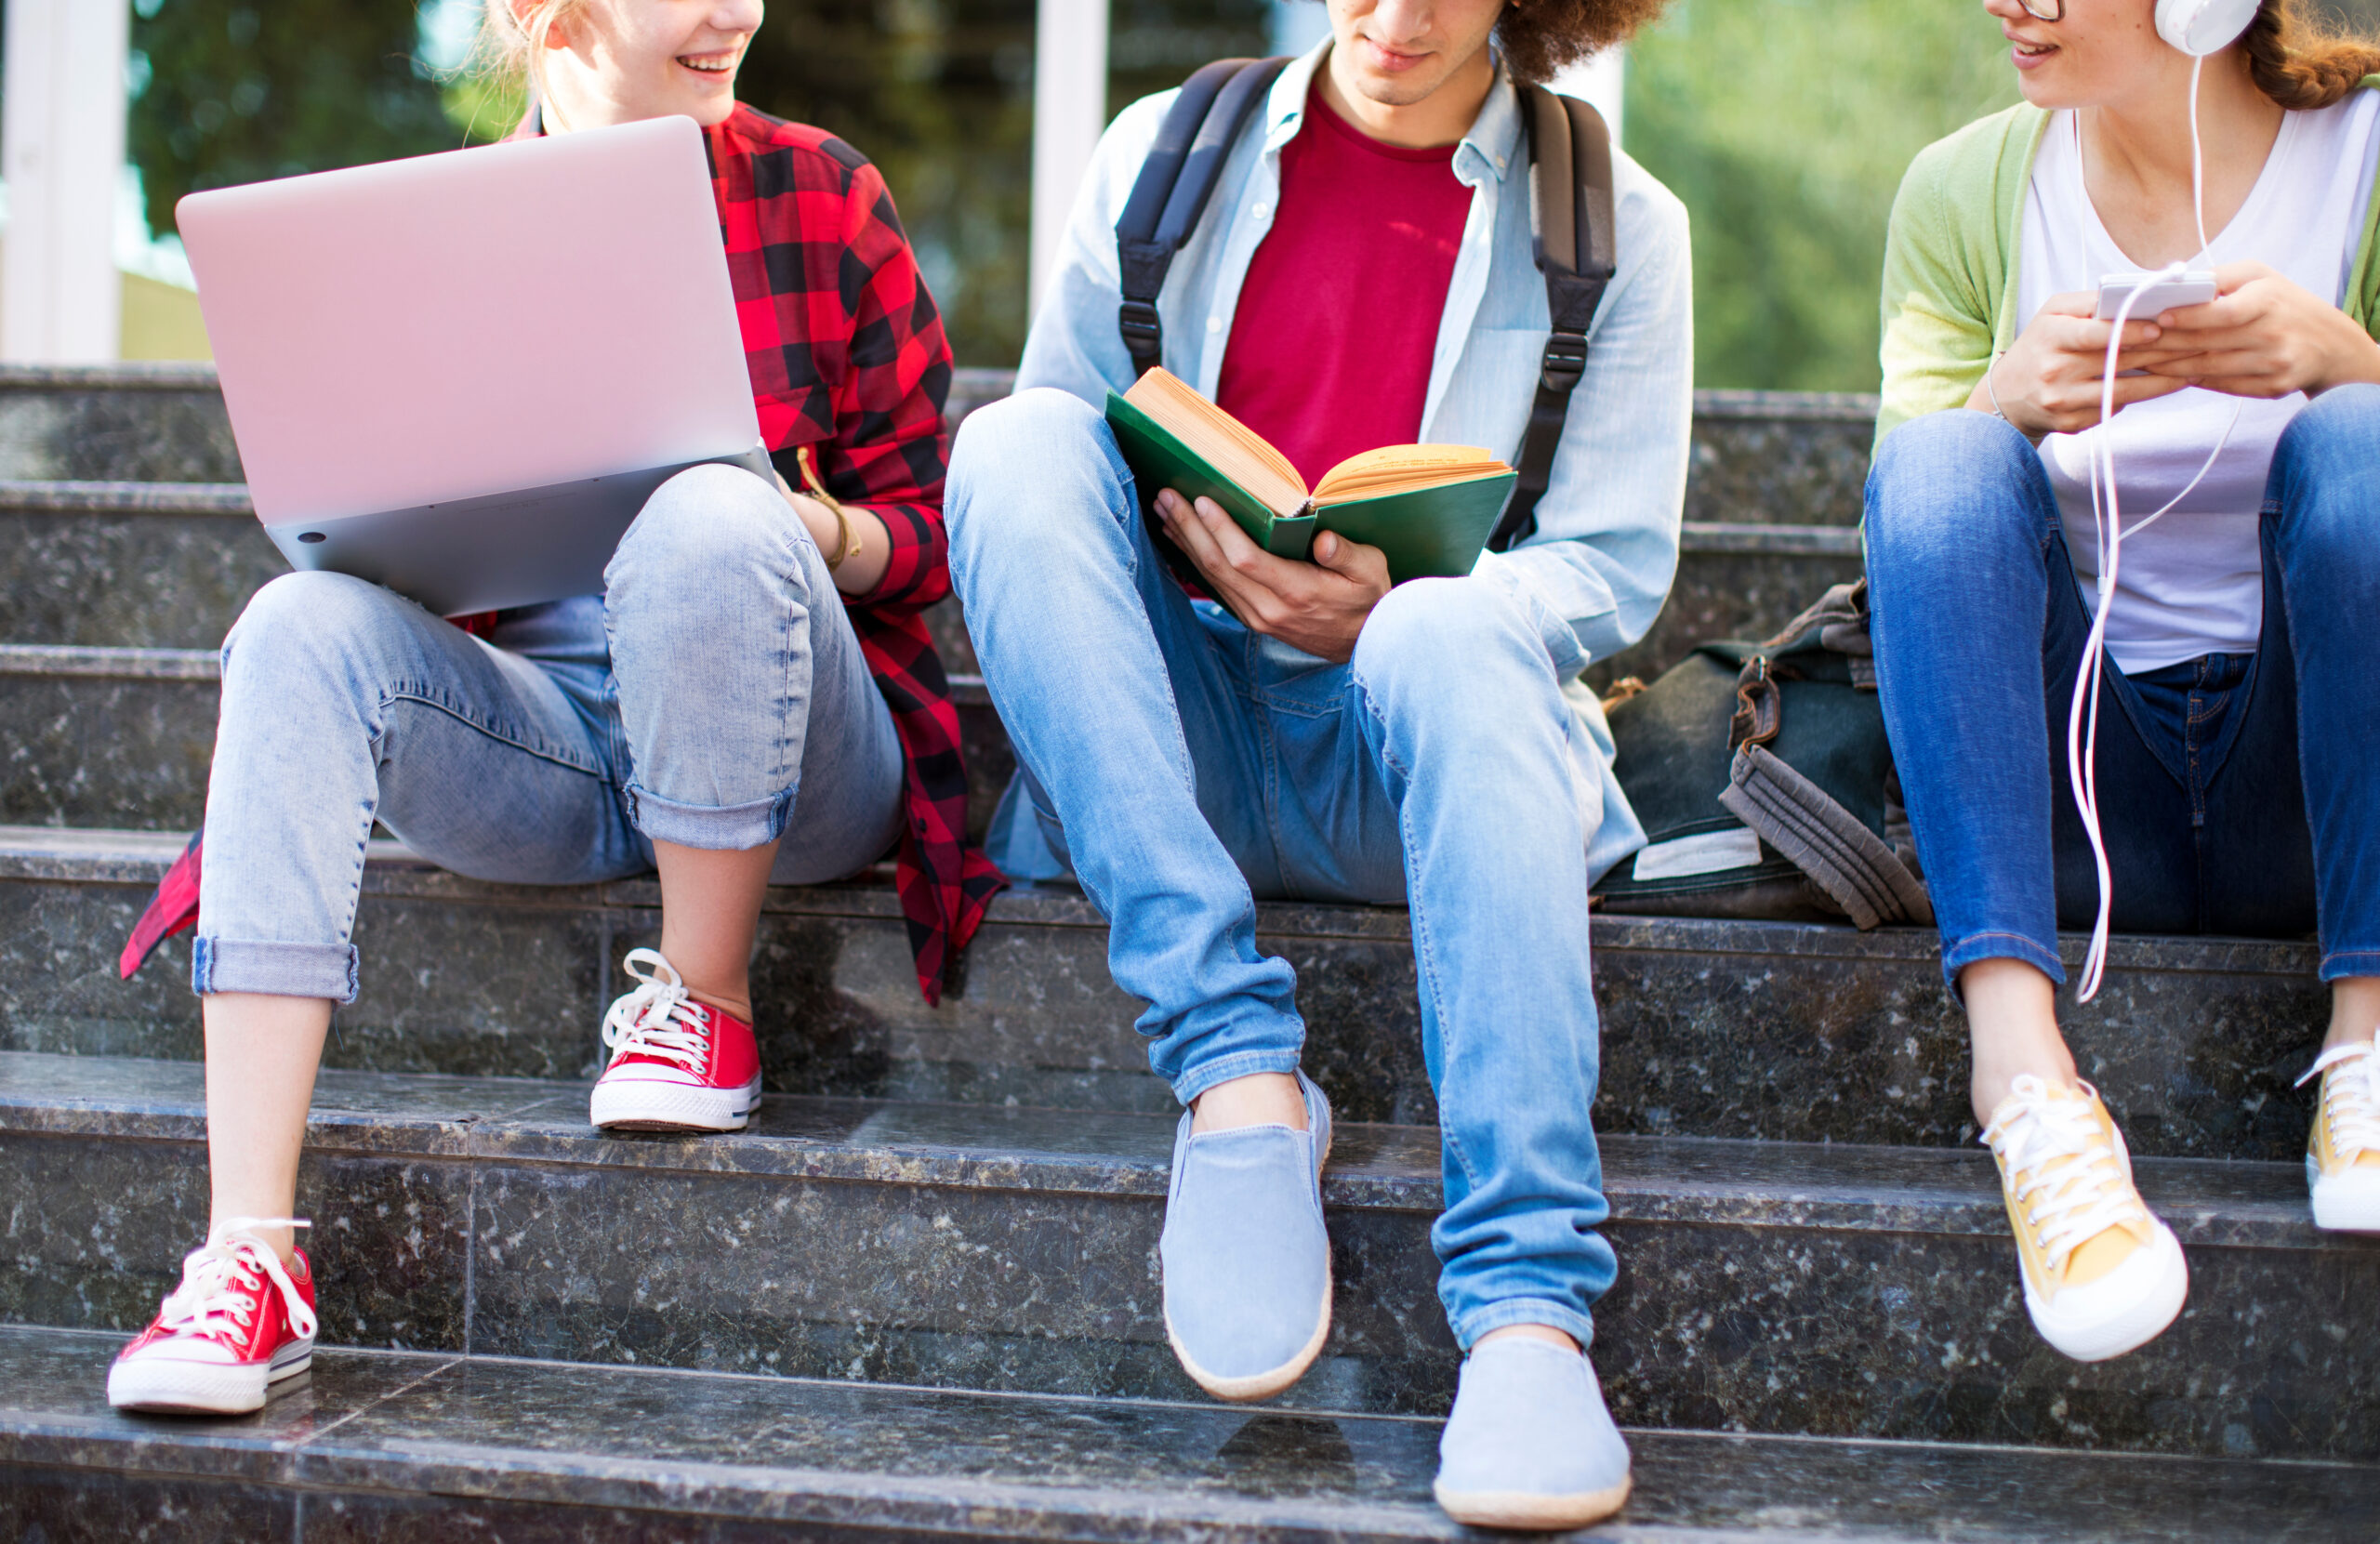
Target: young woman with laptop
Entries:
(2124, 577)
(752, 694)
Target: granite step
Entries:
(398, 1448)
(170, 566)
(1772, 457)
(1831, 1290)
(1786, 1031)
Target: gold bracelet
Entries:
(847, 537)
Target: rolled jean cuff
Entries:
(1222, 1069)
(710, 827)
(2346, 964)
(1479, 1321)
(1974, 946)
(277, 970)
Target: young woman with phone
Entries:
(2230, 734)
(752, 696)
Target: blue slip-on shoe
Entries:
(1530, 1443)
(1246, 1262)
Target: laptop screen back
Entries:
(507, 317)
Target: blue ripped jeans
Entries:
(714, 696)
(2239, 793)
(1186, 766)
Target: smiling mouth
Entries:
(710, 64)
(2032, 50)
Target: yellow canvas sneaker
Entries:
(2102, 1276)
(2343, 1151)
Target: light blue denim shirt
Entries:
(1599, 566)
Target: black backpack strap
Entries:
(1174, 186)
(1570, 178)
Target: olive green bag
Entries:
(1765, 783)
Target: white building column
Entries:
(61, 151)
(1069, 111)
(1601, 82)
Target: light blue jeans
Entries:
(714, 696)
(1186, 766)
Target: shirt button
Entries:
(1214, 323)
(1261, 211)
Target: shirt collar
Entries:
(1490, 146)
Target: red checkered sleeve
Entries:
(842, 339)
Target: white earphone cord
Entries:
(2106, 519)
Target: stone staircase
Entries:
(920, 1298)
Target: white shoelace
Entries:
(2086, 1195)
(658, 1018)
(213, 1301)
(2351, 1101)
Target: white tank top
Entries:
(2193, 583)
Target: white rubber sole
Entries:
(640, 1105)
(2345, 1205)
(1262, 1385)
(1518, 1509)
(2111, 1332)
(170, 1386)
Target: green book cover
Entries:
(1425, 532)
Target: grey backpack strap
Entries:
(1824, 840)
(1176, 179)
(1801, 821)
(1571, 184)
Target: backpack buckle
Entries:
(1564, 361)
(1137, 320)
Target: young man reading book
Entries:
(1363, 277)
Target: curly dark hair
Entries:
(1540, 37)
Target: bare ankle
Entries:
(2012, 1017)
(1531, 1332)
(2355, 1011)
(736, 1005)
(1260, 1098)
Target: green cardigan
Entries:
(1949, 297)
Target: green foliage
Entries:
(939, 94)
(238, 91)
(1785, 125)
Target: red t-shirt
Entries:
(1330, 346)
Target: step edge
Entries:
(106, 855)
(326, 1460)
(1389, 1169)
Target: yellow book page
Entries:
(1397, 469)
(1228, 446)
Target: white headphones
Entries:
(2202, 27)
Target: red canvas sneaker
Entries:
(676, 1064)
(238, 1323)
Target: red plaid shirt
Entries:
(847, 356)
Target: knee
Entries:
(2324, 465)
(1946, 481)
(1010, 448)
(312, 616)
(1420, 629)
(705, 524)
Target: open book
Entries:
(1430, 508)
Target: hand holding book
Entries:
(1318, 605)
(1429, 509)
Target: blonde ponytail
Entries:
(2303, 64)
(510, 48)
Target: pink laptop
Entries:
(461, 375)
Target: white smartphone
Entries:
(2157, 293)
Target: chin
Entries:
(1397, 91)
